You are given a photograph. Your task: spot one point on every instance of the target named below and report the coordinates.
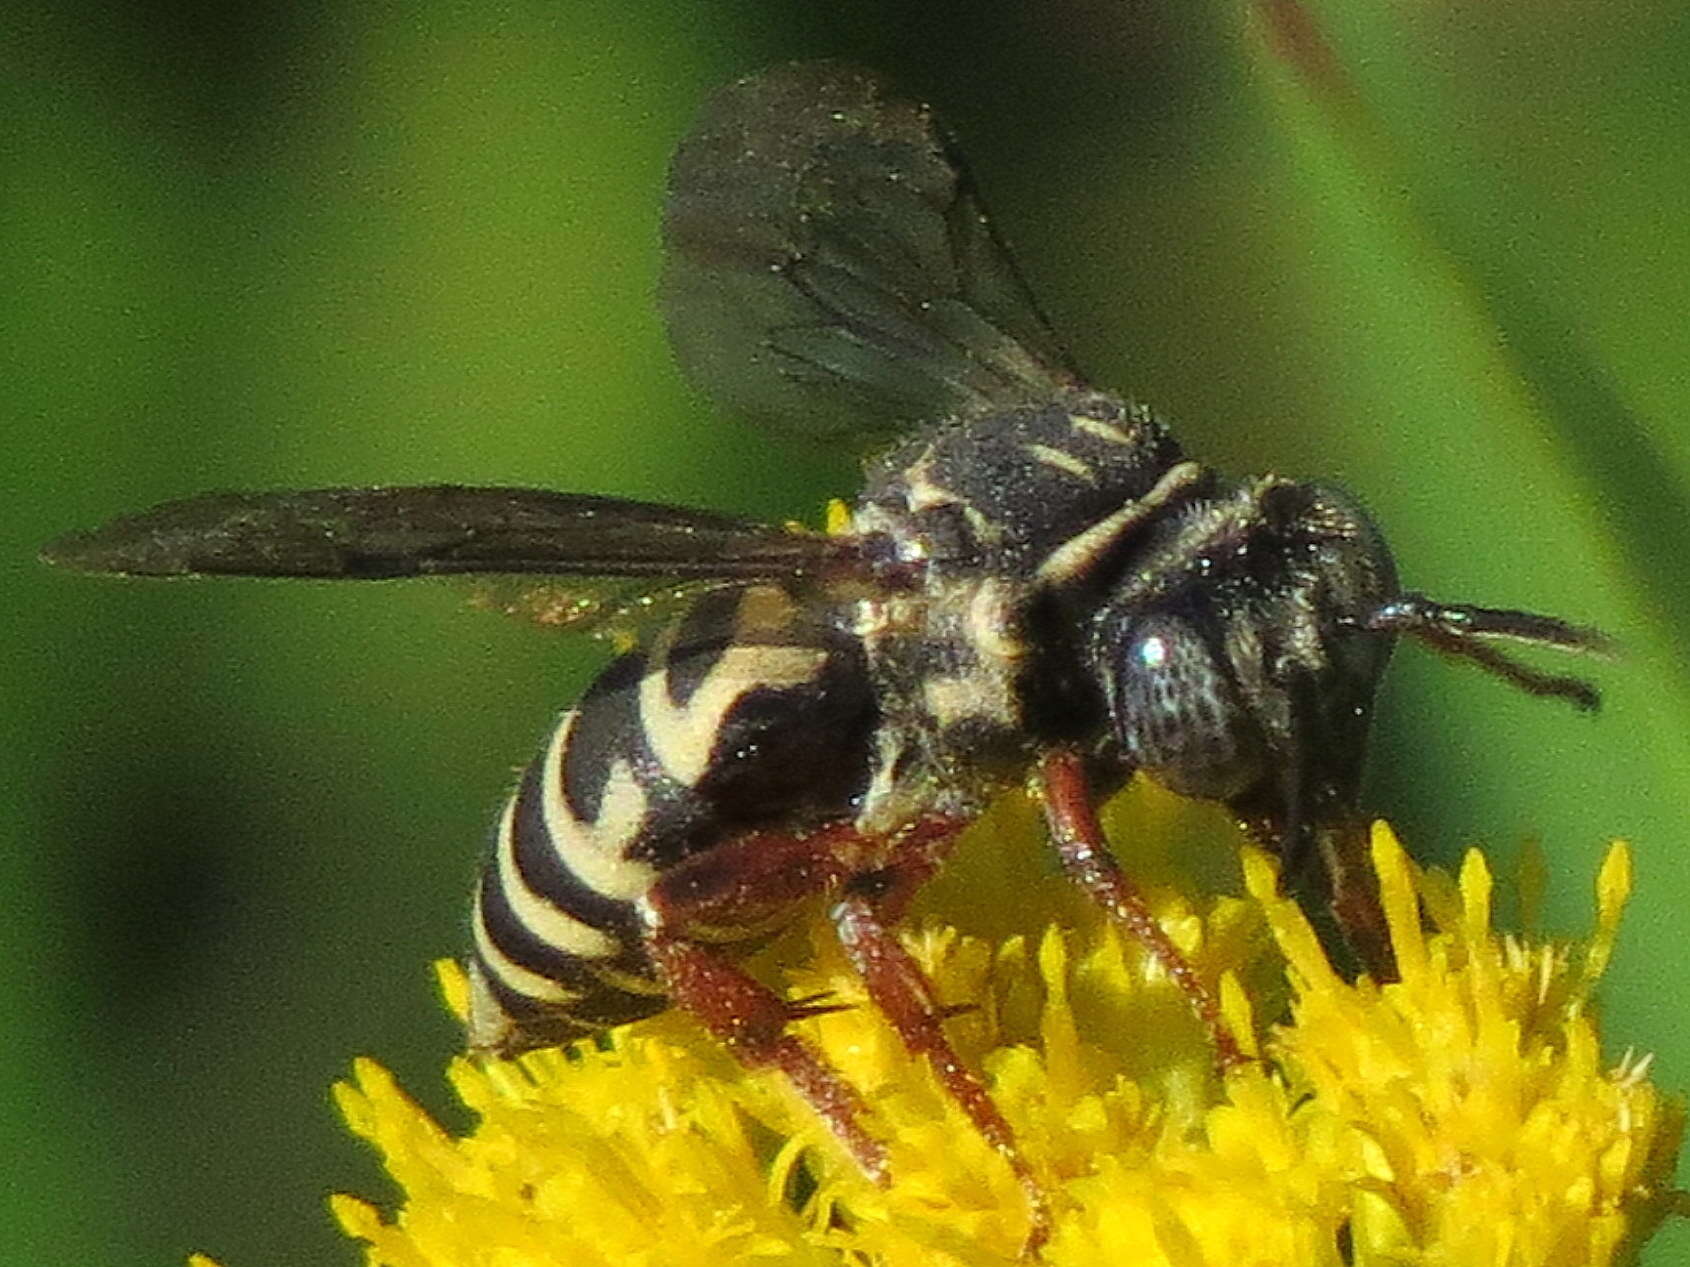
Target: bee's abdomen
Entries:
(748, 714)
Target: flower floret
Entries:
(1463, 1114)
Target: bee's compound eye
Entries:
(1178, 713)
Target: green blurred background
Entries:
(1436, 251)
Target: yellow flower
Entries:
(1461, 1116)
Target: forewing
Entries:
(438, 530)
(830, 268)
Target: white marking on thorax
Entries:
(990, 621)
(949, 700)
(1100, 430)
(1063, 461)
(899, 789)
(1075, 556)
(923, 491)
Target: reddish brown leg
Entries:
(761, 874)
(1085, 855)
(735, 886)
(905, 996)
(750, 1020)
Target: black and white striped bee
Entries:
(1035, 579)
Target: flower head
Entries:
(1461, 1115)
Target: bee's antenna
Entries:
(1468, 632)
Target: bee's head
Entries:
(1233, 650)
(1238, 651)
(1236, 664)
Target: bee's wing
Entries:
(437, 530)
(613, 608)
(830, 269)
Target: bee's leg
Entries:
(744, 881)
(735, 885)
(1078, 838)
(757, 876)
(750, 1020)
(906, 998)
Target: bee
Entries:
(1035, 582)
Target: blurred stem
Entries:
(1582, 406)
